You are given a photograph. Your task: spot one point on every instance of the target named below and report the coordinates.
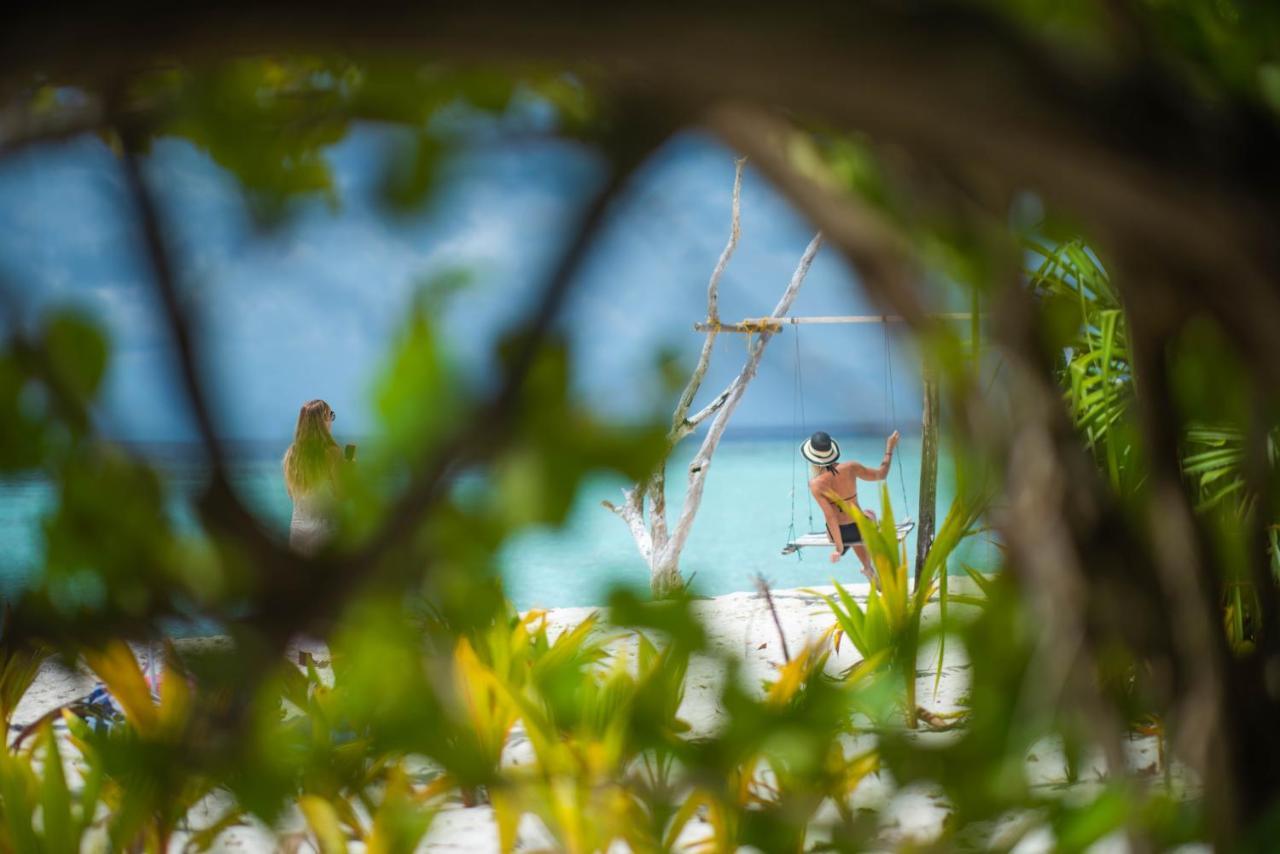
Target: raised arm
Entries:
(864, 473)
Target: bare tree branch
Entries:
(707, 411)
(632, 512)
(713, 305)
(166, 283)
(219, 505)
(22, 127)
(666, 561)
(762, 587)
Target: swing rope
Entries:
(804, 425)
(797, 419)
(893, 412)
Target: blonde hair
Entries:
(309, 460)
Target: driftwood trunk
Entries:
(644, 508)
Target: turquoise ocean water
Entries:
(739, 531)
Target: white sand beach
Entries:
(739, 625)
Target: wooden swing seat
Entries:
(821, 538)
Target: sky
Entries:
(312, 309)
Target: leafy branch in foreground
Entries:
(1117, 136)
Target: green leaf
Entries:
(984, 584)
(55, 800)
(1077, 829)
(399, 823)
(77, 352)
(849, 619)
(18, 670)
(17, 792)
(322, 818)
(412, 173)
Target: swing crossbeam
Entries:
(823, 539)
(774, 324)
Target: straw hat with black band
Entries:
(820, 449)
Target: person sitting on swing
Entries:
(832, 481)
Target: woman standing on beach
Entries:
(312, 470)
(831, 481)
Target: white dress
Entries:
(312, 524)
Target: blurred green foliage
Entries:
(436, 693)
(1088, 327)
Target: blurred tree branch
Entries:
(22, 127)
(1180, 187)
(223, 510)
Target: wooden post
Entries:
(926, 515)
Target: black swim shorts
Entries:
(850, 534)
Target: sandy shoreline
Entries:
(738, 625)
